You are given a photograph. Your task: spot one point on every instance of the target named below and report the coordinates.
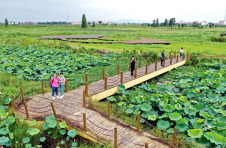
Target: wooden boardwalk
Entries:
(99, 127)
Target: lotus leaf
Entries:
(163, 103)
(140, 99)
(162, 124)
(175, 116)
(74, 144)
(221, 119)
(168, 108)
(199, 107)
(129, 111)
(4, 131)
(45, 126)
(182, 121)
(33, 131)
(62, 142)
(63, 124)
(181, 127)
(152, 117)
(50, 118)
(195, 133)
(11, 120)
(112, 99)
(178, 106)
(68, 138)
(63, 132)
(203, 140)
(190, 111)
(145, 107)
(52, 124)
(4, 140)
(154, 98)
(26, 140)
(214, 138)
(33, 122)
(72, 133)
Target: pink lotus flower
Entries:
(206, 124)
(194, 119)
(1, 147)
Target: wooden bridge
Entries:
(74, 108)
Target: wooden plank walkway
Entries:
(99, 127)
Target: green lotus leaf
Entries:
(4, 140)
(207, 116)
(200, 120)
(26, 140)
(154, 98)
(52, 124)
(190, 110)
(204, 141)
(68, 138)
(199, 107)
(122, 87)
(152, 117)
(163, 103)
(165, 115)
(63, 124)
(45, 125)
(221, 124)
(62, 142)
(112, 99)
(146, 114)
(129, 111)
(140, 99)
(33, 122)
(50, 119)
(198, 125)
(28, 145)
(170, 130)
(42, 139)
(11, 120)
(63, 132)
(21, 119)
(72, 133)
(182, 121)
(145, 107)
(175, 116)
(215, 138)
(33, 131)
(168, 108)
(74, 144)
(223, 133)
(134, 100)
(178, 106)
(181, 127)
(162, 124)
(195, 133)
(162, 90)
(136, 112)
(4, 115)
(221, 119)
(4, 131)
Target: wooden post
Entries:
(121, 77)
(22, 94)
(146, 145)
(138, 121)
(177, 58)
(42, 88)
(103, 74)
(135, 73)
(156, 60)
(164, 62)
(115, 137)
(86, 88)
(84, 121)
(146, 72)
(118, 69)
(174, 136)
(66, 85)
(25, 106)
(86, 77)
(183, 57)
(148, 61)
(108, 105)
(170, 60)
(54, 111)
(175, 55)
(129, 66)
(14, 104)
(106, 83)
(140, 64)
(169, 55)
(84, 98)
(156, 66)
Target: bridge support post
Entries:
(115, 137)
(156, 66)
(84, 98)
(177, 58)
(170, 60)
(86, 88)
(14, 104)
(118, 69)
(135, 73)
(106, 83)
(22, 94)
(25, 106)
(146, 72)
(146, 145)
(148, 61)
(84, 121)
(54, 111)
(103, 74)
(174, 136)
(108, 104)
(138, 121)
(164, 63)
(66, 85)
(121, 77)
(140, 64)
(86, 77)
(42, 88)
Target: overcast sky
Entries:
(112, 10)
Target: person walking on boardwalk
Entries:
(54, 83)
(132, 62)
(162, 57)
(62, 83)
(181, 52)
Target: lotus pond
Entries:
(194, 102)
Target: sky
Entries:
(112, 10)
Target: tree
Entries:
(157, 22)
(153, 24)
(84, 23)
(178, 25)
(93, 24)
(6, 22)
(166, 22)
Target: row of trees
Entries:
(171, 22)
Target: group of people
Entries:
(133, 60)
(54, 84)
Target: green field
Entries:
(192, 40)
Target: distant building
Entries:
(181, 22)
(189, 23)
(204, 23)
(222, 22)
(76, 23)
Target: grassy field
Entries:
(191, 39)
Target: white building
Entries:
(222, 22)
(204, 23)
(76, 23)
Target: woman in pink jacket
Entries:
(54, 83)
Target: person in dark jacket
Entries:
(132, 62)
(162, 57)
